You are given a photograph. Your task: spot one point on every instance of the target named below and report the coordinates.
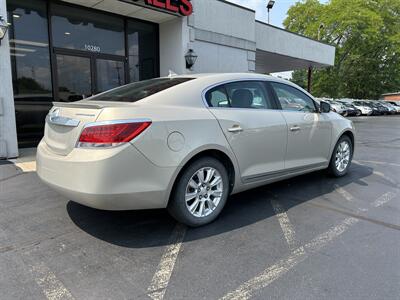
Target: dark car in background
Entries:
(351, 109)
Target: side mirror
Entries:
(325, 107)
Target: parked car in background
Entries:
(375, 110)
(351, 109)
(365, 109)
(338, 107)
(392, 108)
(383, 109)
(186, 143)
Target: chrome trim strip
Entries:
(62, 121)
(275, 174)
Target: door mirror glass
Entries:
(325, 107)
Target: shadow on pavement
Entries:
(139, 229)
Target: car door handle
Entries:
(235, 128)
(295, 128)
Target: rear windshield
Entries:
(139, 90)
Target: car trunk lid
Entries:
(65, 122)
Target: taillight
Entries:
(111, 135)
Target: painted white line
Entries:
(385, 198)
(269, 275)
(349, 197)
(378, 163)
(159, 283)
(346, 195)
(51, 286)
(28, 166)
(380, 174)
(272, 273)
(287, 227)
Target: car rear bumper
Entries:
(109, 179)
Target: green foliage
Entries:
(366, 34)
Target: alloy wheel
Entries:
(342, 157)
(204, 192)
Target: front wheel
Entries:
(341, 157)
(200, 192)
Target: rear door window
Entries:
(139, 90)
(241, 94)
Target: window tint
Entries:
(217, 97)
(243, 94)
(248, 94)
(139, 90)
(291, 98)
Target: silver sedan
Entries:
(186, 143)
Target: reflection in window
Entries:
(29, 48)
(142, 45)
(74, 78)
(293, 99)
(76, 28)
(110, 74)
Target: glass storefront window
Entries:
(79, 29)
(31, 71)
(29, 47)
(74, 78)
(142, 45)
(110, 74)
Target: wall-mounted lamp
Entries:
(190, 58)
(3, 28)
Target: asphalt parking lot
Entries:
(310, 237)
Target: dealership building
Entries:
(68, 50)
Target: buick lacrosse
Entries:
(186, 143)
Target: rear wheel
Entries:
(200, 192)
(341, 157)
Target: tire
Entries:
(338, 170)
(204, 211)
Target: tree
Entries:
(366, 34)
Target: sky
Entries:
(277, 14)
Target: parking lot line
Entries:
(392, 181)
(272, 273)
(28, 166)
(275, 271)
(159, 283)
(378, 163)
(51, 286)
(385, 198)
(286, 225)
(346, 195)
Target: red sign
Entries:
(182, 7)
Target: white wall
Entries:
(224, 18)
(218, 58)
(174, 39)
(8, 135)
(275, 40)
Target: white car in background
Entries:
(338, 108)
(186, 143)
(365, 110)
